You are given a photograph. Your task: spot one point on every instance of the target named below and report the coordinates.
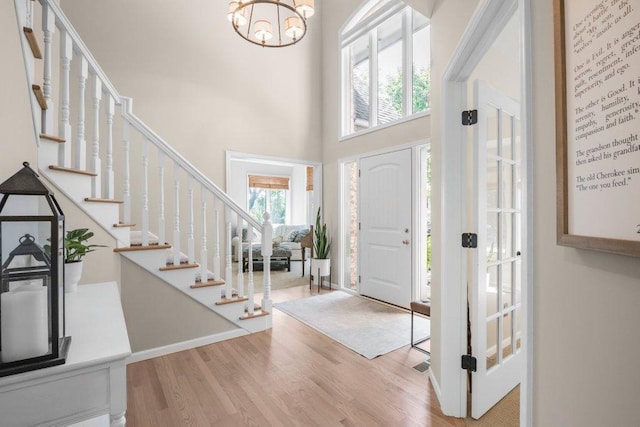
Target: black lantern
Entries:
(32, 326)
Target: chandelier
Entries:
(254, 21)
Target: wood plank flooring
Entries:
(288, 376)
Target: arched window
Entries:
(385, 65)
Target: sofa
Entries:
(294, 237)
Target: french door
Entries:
(496, 305)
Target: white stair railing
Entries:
(76, 64)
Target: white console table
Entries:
(93, 381)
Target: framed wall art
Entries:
(597, 70)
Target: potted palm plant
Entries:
(321, 249)
(75, 248)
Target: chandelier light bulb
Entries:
(304, 8)
(263, 31)
(236, 15)
(293, 27)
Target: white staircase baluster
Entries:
(126, 138)
(145, 192)
(109, 179)
(267, 251)
(48, 28)
(29, 17)
(66, 54)
(250, 304)
(81, 143)
(176, 220)
(239, 250)
(216, 238)
(190, 226)
(96, 166)
(228, 271)
(204, 262)
(161, 208)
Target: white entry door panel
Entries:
(385, 227)
(496, 306)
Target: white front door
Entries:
(385, 227)
(496, 305)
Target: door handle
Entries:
(405, 242)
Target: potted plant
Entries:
(75, 248)
(321, 249)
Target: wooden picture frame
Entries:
(598, 194)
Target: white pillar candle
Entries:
(25, 329)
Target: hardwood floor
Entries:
(288, 376)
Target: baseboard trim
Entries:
(436, 386)
(184, 345)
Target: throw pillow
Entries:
(301, 234)
(292, 236)
(277, 240)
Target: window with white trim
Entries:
(385, 65)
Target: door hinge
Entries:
(469, 117)
(359, 226)
(469, 240)
(469, 363)
(359, 279)
(358, 173)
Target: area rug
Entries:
(280, 279)
(364, 326)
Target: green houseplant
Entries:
(321, 249)
(76, 247)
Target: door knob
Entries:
(405, 242)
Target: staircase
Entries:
(114, 167)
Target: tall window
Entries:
(385, 66)
(268, 194)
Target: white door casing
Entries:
(496, 303)
(385, 227)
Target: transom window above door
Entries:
(385, 66)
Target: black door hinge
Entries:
(469, 363)
(469, 117)
(469, 240)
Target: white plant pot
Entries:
(72, 274)
(323, 264)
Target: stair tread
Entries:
(210, 283)
(254, 315)
(142, 248)
(33, 42)
(95, 200)
(53, 138)
(123, 225)
(72, 170)
(37, 91)
(179, 267)
(232, 300)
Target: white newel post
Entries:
(216, 238)
(145, 192)
(250, 304)
(204, 262)
(239, 226)
(66, 54)
(48, 28)
(267, 252)
(126, 137)
(176, 218)
(161, 205)
(81, 142)
(191, 242)
(109, 180)
(228, 270)
(95, 146)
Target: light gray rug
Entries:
(366, 327)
